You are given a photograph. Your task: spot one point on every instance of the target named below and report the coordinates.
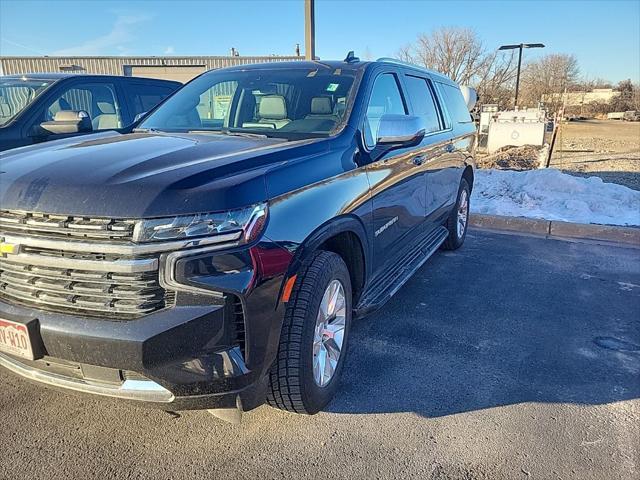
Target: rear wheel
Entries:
(314, 337)
(458, 218)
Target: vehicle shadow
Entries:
(505, 320)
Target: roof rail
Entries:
(412, 65)
(399, 62)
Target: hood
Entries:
(141, 174)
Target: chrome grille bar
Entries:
(116, 266)
(112, 248)
(66, 226)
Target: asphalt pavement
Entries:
(513, 357)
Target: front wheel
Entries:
(314, 337)
(458, 218)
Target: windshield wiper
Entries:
(225, 131)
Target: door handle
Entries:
(418, 160)
(449, 148)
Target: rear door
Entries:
(397, 181)
(436, 150)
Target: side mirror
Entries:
(68, 121)
(398, 131)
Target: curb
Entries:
(557, 229)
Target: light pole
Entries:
(309, 30)
(520, 47)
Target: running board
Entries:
(388, 285)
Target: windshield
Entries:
(16, 94)
(288, 103)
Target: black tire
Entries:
(454, 240)
(292, 385)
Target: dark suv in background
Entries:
(215, 256)
(48, 106)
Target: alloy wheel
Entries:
(463, 213)
(329, 333)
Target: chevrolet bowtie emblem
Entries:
(8, 248)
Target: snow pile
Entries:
(553, 195)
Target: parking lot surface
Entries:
(513, 357)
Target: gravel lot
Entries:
(609, 149)
(514, 357)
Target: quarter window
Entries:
(385, 98)
(423, 103)
(456, 104)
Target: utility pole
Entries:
(520, 47)
(309, 30)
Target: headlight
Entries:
(247, 222)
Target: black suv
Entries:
(48, 106)
(216, 256)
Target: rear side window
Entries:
(385, 98)
(423, 103)
(144, 96)
(456, 105)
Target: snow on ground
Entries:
(553, 195)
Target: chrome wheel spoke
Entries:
(335, 294)
(319, 366)
(339, 337)
(329, 368)
(333, 349)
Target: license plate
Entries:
(14, 339)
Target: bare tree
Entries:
(460, 54)
(456, 52)
(588, 84)
(547, 78)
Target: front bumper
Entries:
(183, 357)
(140, 390)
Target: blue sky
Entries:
(604, 35)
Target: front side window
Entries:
(286, 103)
(385, 98)
(16, 95)
(97, 99)
(423, 103)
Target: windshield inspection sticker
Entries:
(332, 87)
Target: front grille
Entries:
(63, 226)
(54, 263)
(88, 292)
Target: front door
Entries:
(98, 99)
(397, 182)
